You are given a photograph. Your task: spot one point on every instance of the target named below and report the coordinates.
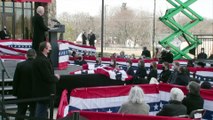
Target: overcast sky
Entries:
(93, 7)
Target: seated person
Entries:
(190, 63)
(153, 71)
(174, 107)
(80, 61)
(175, 72)
(182, 77)
(122, 55)
(135, 103)
(98, 62)
(193, 100)
(113, 56)
(139, 77)
(201, 64)
(113, 63)
(206, 85)
(141, 70)
(130, 70)
(165, 74)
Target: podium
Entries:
(53, 37)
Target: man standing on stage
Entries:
(91, 38)
(44, 79)
(22, 83)
(39, 28)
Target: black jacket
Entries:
(164, 75)
(39, 29)
(152, 73)
(182, 79)
(173, 108)
(91, 38)
(44, 80)
(146, 53)
(22, 80)
(4, 35)
(193, 102)
(130, 71)
(141, 72)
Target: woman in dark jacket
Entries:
(153, 71)
(193, 100)
(140, 74)
(174, 107)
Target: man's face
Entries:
(48, 48)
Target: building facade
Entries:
(17, 17)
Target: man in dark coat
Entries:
(146, 53)
(22, 83)
(44, 82)
(39, 28)
(91, 38)
(165, 74)
(4, 34)
(84, 38)
(202, 54)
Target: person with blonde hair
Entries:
(135, 103)
(174, 107)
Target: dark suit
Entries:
(141, 72)
(164, 75)
(84, 38)
(39, 29)
(152, 73)
(4, 34)
(130, 71)
(193, 102)
(146, 53)
(173, 108)
(44, 82)
(22, 85)
(91, 38)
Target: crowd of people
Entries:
(178, 105)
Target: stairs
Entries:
(8, 89)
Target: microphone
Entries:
(55, 20)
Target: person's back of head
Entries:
(194, 88)
(40, 10)
(136, 95)
(206, 85)
(176, 94)
(31, 54)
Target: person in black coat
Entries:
(91, 38)
(130, 70)
(84, 38)
(140, 74)
(166, 56)
(165, 74)
(141, 70)
(4, 34)
(146, 53)
(22, 83)
(174, 107)
(174, 74)
(44, 79)
(153, 71)
(202, 54)
(182, 77)
(39, 28)
(193, 100)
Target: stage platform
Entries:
(10, 66)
